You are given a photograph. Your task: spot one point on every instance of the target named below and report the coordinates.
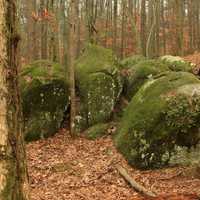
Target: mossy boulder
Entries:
(165, 112)
(44, 98)
(131, 61)
(139, 73)
(176, 63)
(98, 84)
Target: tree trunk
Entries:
(115, 26)
(163, 26)
(13, 172)
(72, 55)
(35, 47)
(29, 26)
(178, 9)
(143, 27)
(123, 28)
(78, 34)
(44, 31)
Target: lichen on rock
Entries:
(176, 63)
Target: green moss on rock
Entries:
(161, 115)
(131, 61)
(95, 59)
(141, 72)
(44, 98)
(99, 84)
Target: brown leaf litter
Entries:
(61, 168)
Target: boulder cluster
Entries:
(163, 97)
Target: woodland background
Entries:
(148, 27)
(60, 167)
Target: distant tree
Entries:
(150, 45)
(179, 26)
(143, 27)
(44, 30)
(123, 26)
(115, 15)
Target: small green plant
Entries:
(97, 131)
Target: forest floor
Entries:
(64, 169)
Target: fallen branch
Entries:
(133, 183)
(171, 177)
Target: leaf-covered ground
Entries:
(64, 169)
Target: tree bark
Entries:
(13, 171)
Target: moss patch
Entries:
(141, 72)
(153, 123)
(131, 61)
(95, 59)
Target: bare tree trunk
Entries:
(78, 34)
(29, 26)
(135, 32)
(35, 47)
(123, 28)
(157, 31)
(179, 23)
(13, 172)
(150, 45)
(44, 33)
(72, 53)
(115, 26)
(65, 36)
(163, 25)
(143, 27)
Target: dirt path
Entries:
(65, 169)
